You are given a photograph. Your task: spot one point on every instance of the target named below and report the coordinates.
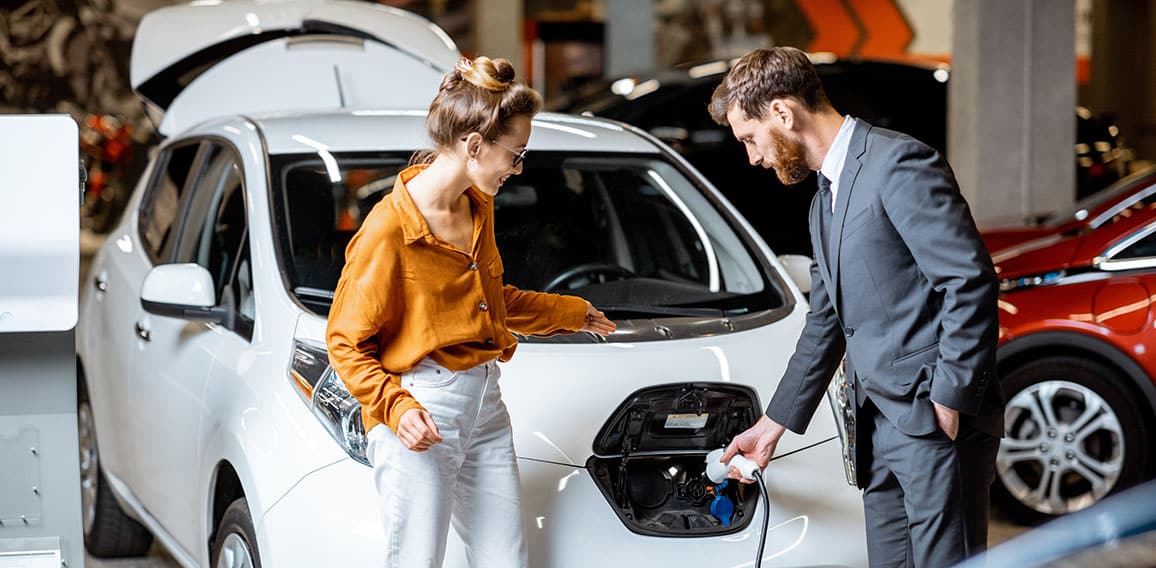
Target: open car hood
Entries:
(199, 61)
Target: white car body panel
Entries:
(562, 394)
(284, 74)
(109, 343)
(360, 129)
(169, 35)
(562, 500)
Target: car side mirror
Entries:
(798, 267)
(183, 291)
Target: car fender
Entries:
(1022, 347)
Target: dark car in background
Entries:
(907, 97)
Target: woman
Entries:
(421, 316)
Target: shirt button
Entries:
(483, 306)
(850, 331)
(473, 265)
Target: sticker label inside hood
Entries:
(686, 421)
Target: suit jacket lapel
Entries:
(851, 167)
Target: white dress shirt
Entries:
(832, 166)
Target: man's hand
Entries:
(417, 430)
(757, 444)
(948, 420)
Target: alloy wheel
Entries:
(1063, 449)
(89, 465)
(235, 553)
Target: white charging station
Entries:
(40, 516)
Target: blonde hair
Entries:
(479, 95)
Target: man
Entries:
(902, 285)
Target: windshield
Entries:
(629, 233)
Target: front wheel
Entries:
(1072, 436)
(236, 543)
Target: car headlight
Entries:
(326, 395)
(1030, 281)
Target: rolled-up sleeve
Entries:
(540, 313)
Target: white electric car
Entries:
(210, 419)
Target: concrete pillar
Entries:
(629, 36)
(1011, 106)
(498, 31)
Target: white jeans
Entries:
(470, 478)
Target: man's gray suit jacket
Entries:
(907, 291)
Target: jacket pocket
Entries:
(858, 221)
(912, 355)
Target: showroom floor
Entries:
(1000, 529)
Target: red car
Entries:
(1077, 354)
(1087, 214)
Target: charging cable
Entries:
(717, 471)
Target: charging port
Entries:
(649, 458)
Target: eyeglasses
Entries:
(519, 155)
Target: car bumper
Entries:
(331, 518)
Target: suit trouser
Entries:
(925, 498)
(469, 479)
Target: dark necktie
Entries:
(825, 215)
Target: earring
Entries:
(472, 164)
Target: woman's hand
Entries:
(597, 322)
(417, 430)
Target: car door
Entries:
(114, 283)
(177, 357)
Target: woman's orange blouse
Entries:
(405, 294)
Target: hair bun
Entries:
(495, 75)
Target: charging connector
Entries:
(717, 471)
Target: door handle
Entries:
(100, 281)
(143, 332)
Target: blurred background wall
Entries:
(72, 55)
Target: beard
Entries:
(790, 164)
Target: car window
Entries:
(594, 224)
(1143, 248)
(215, 232)
(617, 230)
(162, 200)
(318, 212)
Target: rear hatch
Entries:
(199, 61)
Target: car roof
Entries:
(402, 130)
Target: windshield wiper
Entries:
(660, 310)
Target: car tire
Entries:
(1072, 435)
(108, 531)
(235, 545)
